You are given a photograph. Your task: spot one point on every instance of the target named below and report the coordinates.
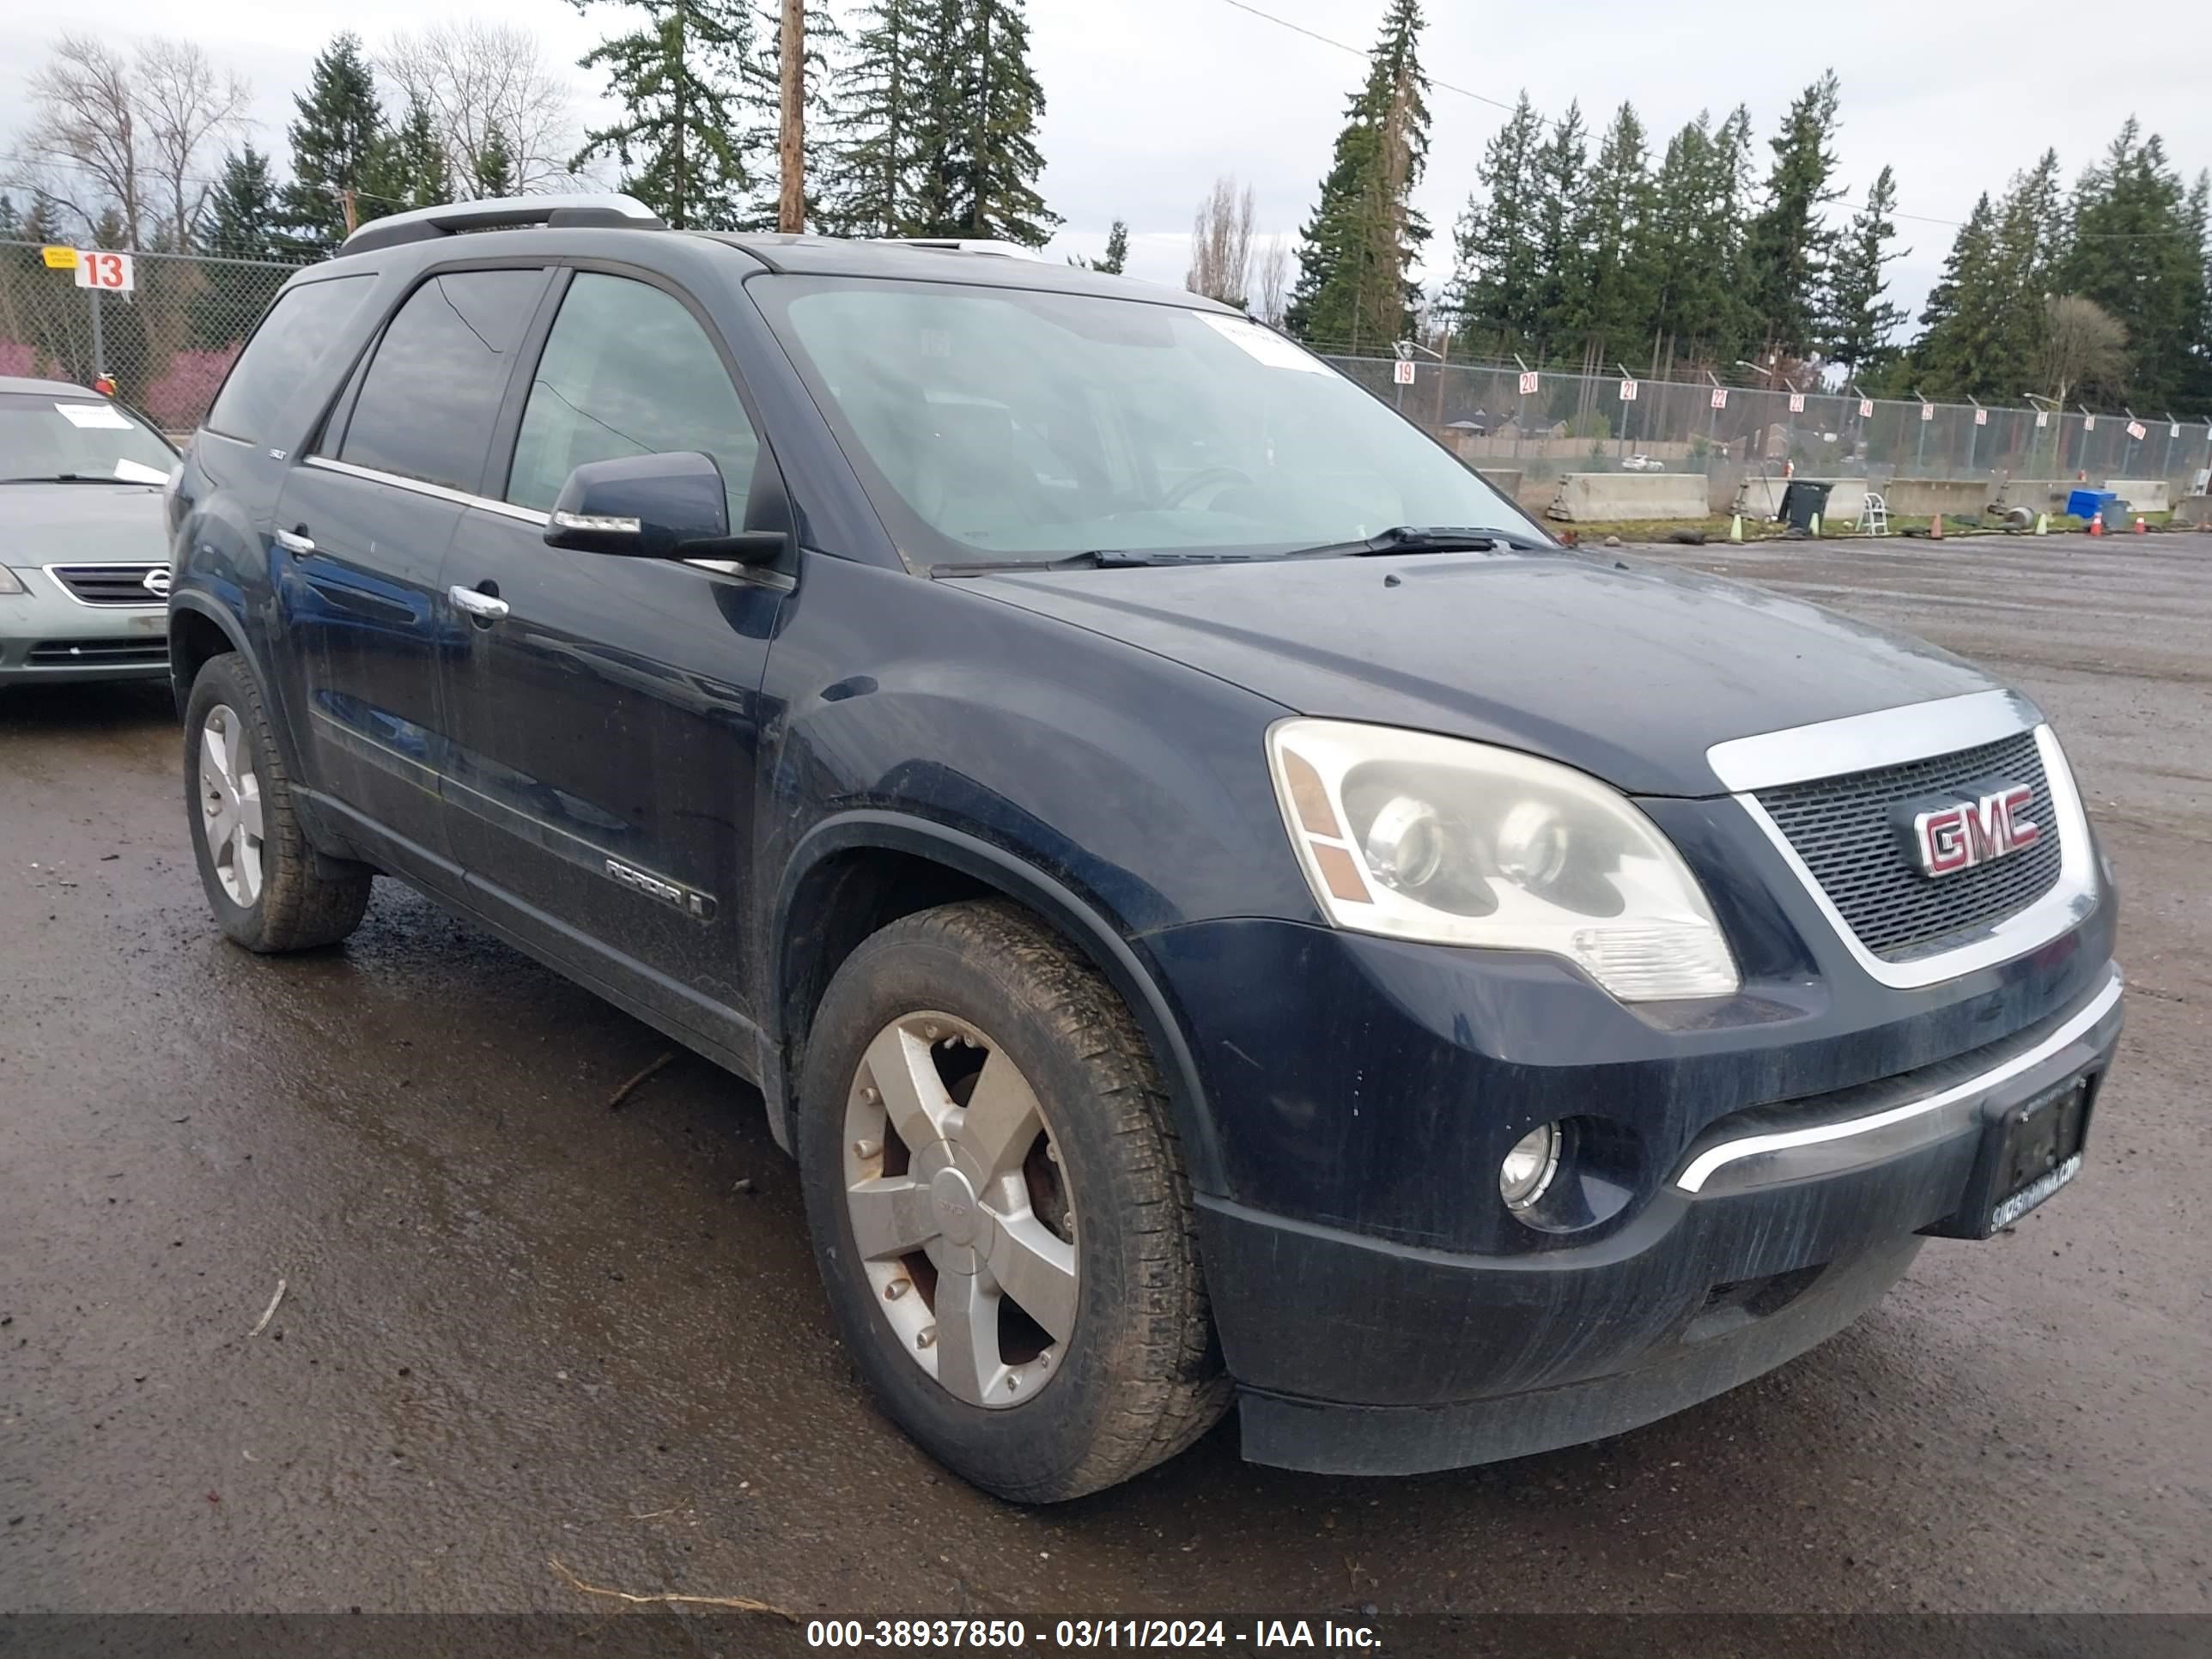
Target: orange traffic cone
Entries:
(2096, 524)
(1935, 528)
(2142, 529)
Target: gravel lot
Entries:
(519, 1326)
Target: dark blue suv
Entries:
(1222, 909)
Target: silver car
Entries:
(84, 555)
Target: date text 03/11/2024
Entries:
(1089, 1633)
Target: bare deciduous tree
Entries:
(1273, 296)
(488, 90)
(1221, 243)
(84, 149)
(126, 145)
(2081, 342)
(184, 108)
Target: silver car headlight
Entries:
(1448, 842)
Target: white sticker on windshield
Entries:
(131, 472)
(1262, 344)
(93, 415)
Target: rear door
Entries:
(605, 727)
(362, 528)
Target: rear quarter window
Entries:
(292, 337)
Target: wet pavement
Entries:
(521, 1327)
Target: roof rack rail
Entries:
(501, 212)
(962, 245)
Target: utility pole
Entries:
(791, 205)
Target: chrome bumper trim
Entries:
(1702, 1168)
(1861, 743)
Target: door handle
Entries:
(485, 607)
(295, 542)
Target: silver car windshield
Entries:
(998, 423)
(58, 437)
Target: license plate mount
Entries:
(2029, 1151)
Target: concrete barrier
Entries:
(2193, 509)
(1588, 497)
(1505, 480)
(2036, 495)
(1761, 498)
(2142, 495)
(1924, 498)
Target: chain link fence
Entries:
(167, 342)
(1582, 423)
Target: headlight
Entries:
(9, 582)
(1452, 842)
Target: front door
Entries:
(363, 529)
(604, 726)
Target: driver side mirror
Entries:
(669, 506)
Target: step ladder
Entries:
(1873, 521)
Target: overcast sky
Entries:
(1149, 100)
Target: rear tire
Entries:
(269, 889)
(1092, 1179)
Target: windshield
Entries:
(57, 435)
(994, 424)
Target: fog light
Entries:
(1527, 1172)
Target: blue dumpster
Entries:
(2089, 503)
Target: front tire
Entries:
(268, 889)
(999, 1209)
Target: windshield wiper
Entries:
(69, 477)
(1430, 538)
(1097, 558)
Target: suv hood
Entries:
(1626, 672)
(102, 523)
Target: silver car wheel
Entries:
(230, 805)
(960, 1209)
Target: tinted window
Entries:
(628, 371)
(299, 327)
(432, 388)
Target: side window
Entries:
(299, 327)
(433, 389)
(628, 371)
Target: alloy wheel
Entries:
(960, 1209)
(230, 805)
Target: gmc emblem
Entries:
(1959, 834)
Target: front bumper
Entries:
(1382, 1313)
(45, 634)
(1358, 1356)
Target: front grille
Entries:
(1846, 831)
(82, 654)
(107, 584)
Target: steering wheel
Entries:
(1218, 476)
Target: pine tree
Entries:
(244, 212)
(678, 78)
(1787, 246)
(493, 173)
(978, 161)
(408, 168)
(1623, 287)
(1562, 230)
(1496, 274)
(872, 188)
(1117, 247)
(1962, 317)
(1355, 283)
(334, 145)
(2135, 253)
(1696, 244)
(1859, 319)
(244, 223)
